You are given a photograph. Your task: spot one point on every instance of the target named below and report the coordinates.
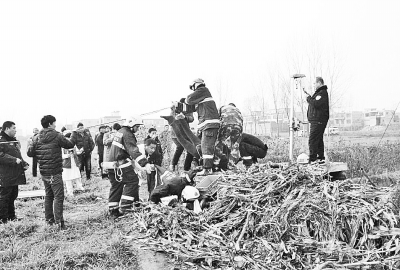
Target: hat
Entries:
(152, 129)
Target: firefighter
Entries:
(124, 189)
(208, 122)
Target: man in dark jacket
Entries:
(154, 157)
(46, 146)
(318, 116)
(100, 149)
(12, 168)
(208, 122)
(124, 180)
(85, 145)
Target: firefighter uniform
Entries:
(124, 180)
(208, 122)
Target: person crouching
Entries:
(172, 185)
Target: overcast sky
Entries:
(84, 59)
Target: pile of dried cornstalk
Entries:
(280, 219)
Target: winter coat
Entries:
(47, 148)
(125, 146)
(206, 108)
(230, 115)
(11, 173)
(157, 156)
(83, 139)
(318, 106)
(100, 144)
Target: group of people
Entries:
(219, 144)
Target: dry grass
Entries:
(91, 241)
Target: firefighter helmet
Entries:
(196, 83)
(302, 158)
(133, 121)
(190, 193)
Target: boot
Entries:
(62, 225)
(115, 213)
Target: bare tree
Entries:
(221, 92)
(275, 89)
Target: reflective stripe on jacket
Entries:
(206, 108)
(125, 145)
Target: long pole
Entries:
(295, 85)
(291, 131)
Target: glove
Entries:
(147, 167)
(180, 116)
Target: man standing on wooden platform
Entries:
(318, 116)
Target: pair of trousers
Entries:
(316, 140)
(34, 166)
(54, 199)
(208, 138)
(101, 156)
(153, 180)
(70, 187)
(7, 197)
(227, 147)
(178, 152)
(85, 164)
(124, 189)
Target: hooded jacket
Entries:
(11, 173)
(318, 106)
(206, 108)
(46, 146)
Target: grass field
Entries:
(94, 241)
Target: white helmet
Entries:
(302, 158)
(133, 121)
(196, 83)
(190, 193)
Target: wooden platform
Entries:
(31, 194)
